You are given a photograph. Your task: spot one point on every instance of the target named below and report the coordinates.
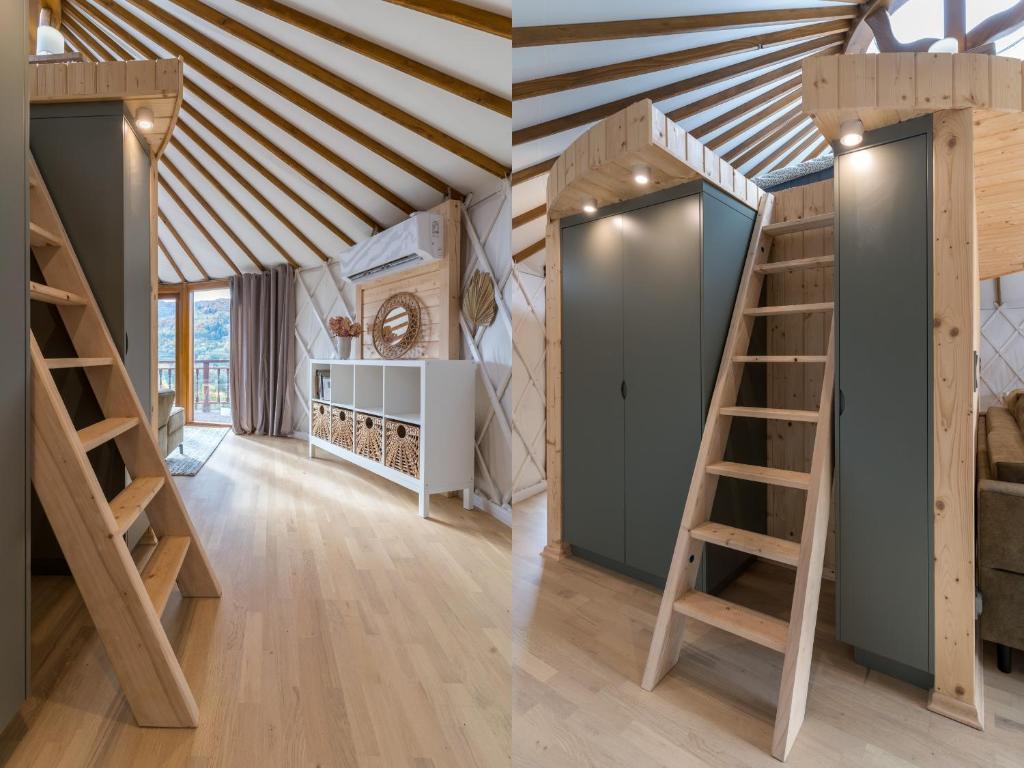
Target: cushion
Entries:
(1005, 445)
(1002, 615)
(165, 402)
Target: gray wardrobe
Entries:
(648, 288)
(884, 383)
(98, 171)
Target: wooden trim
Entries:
(585, 116)
(543, 86)
(384, 55)
(460, 13)
(321, 74)
(561, 34)
(532, 171)
(173, 123)
(556, 547)
(527, 216)
(451, 279)
(266, 80)
(958, 691)
(214, 244)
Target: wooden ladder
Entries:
(124, 604)
(794, 638)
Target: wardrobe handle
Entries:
(623, 389)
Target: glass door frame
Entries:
(184, 394)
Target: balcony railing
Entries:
(211, 381)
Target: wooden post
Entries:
(958, 691)
(556, 548)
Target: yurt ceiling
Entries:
(727, 70)
(307, 126)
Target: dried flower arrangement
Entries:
(342, 327)
(478, 300)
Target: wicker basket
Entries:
(320, 424)
(402, 447)
(369, 436)
(342, 421)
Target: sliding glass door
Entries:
(211, 355)
(167, 340)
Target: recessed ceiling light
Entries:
(641, 174)
(851, 133)
(144, 118)
(590, 206)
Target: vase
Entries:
(343, 347)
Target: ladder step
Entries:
(102, 431)
(793, 265)
(38, 236)
(799, 225)
(40, 292)
(743, 622)
(77, 362)
(129, 503)
(770, 547)
(790, 309)
(772, 414)
(779, 359)
(786, 478)
(161, 570)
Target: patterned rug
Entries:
(198, 447)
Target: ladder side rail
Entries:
(104, 571)
(666, 640)
(803, 618)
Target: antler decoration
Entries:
(978, 40)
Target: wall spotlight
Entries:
(851, 133)
(641, 174)
(144, 118)
(590, 206)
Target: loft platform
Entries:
(888, 88)
(599, 165)
(156, 84)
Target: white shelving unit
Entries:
(433, 399)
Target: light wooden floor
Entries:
(350, 632)
(581, 636)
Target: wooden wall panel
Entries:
(438, 287)
(790, 444)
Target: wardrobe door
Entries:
(592, 405)
(661, 300)
(884, 424)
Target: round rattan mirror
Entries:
(396, 328)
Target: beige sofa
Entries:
(1000, 523)
(170, 421)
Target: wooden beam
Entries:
(556, 548)
(384, 55)
(187, 210)
(958, 690)
(528, 251)
(561, 34)
(319, 73)
(163, 249)
(786, 154)
(543, 86)
(720, 96)
(754, 119)
(530, 215)
(127, 22)
(743, 154)
(267, 81)
(954, 21)
(532, 172)
(183, 245)
(587, 116)
(460, 13)
(755, 103)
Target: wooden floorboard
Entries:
(581, 639)
(350, 633)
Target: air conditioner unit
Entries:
(418, 239)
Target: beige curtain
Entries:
(262, 329)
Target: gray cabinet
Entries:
(14, 415)
(647, 294)
(98, 171)
(884, 385)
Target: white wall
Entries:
(1002, 339)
